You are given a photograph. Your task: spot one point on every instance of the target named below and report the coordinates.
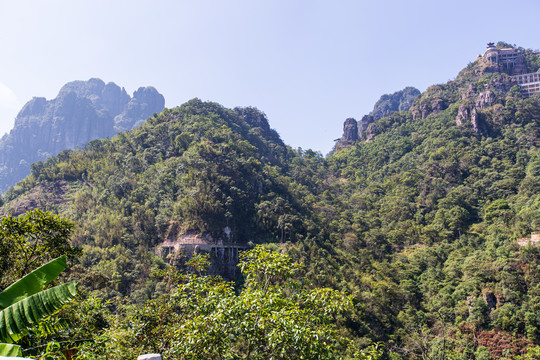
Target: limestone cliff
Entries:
(82, 111)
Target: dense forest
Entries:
(412, 244)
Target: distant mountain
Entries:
(388, 104)
(398, 101)
(82, 111)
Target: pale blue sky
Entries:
(307, 64)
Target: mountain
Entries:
(386, 105)
(431, 223)
(82, 111)
(430, 217)
(199, 174)
(398, 101)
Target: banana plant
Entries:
(25, 303)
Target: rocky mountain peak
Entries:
(82, 111)
(387, 104)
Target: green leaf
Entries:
(15, 319)
(33, 282)
(10, 350)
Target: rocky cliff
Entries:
(399, 101)
(82, 111)
(387, 104)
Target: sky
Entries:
(308, 65)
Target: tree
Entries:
(272, 316)
(30, 240)
(24, 304)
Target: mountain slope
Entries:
(423, 223)
(199, 171)
(426, 217)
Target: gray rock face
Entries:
(462, 115)
(144, 103)
(350, 130)
(82, 111)
(364, 124)
(474, 112)
(469, 93)
(485, 99)
(354, 131)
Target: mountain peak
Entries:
(82, 111)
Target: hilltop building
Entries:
(512, 62)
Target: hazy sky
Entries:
(307, 64)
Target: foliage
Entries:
(273, 316)
(29, 240)
(25, 303)
(419, 225)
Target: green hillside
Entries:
(420, 224)
(196, 169)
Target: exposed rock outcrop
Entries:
(485, 99)
(478, 124)
(469, 93)
(364, 124)
(350, 130)
(354, 131)
(431, 102)
(82, 111)
(490, 299)
(462, 115)
(473, 113)
(351, 134)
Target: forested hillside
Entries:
(419, 222)
(422, 221)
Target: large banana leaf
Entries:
(10, 350)
(32, 283)
(15, 319)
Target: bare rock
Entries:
(399, 101)
(477, 122)
(82, 111)
(145, 102)
(470, 299)
(428, 105)
(364, 123)
(491, 300)
(485, 99)
(350, 134)
(462, 115)
(350, 130)
(149, 357)
(437, 106)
